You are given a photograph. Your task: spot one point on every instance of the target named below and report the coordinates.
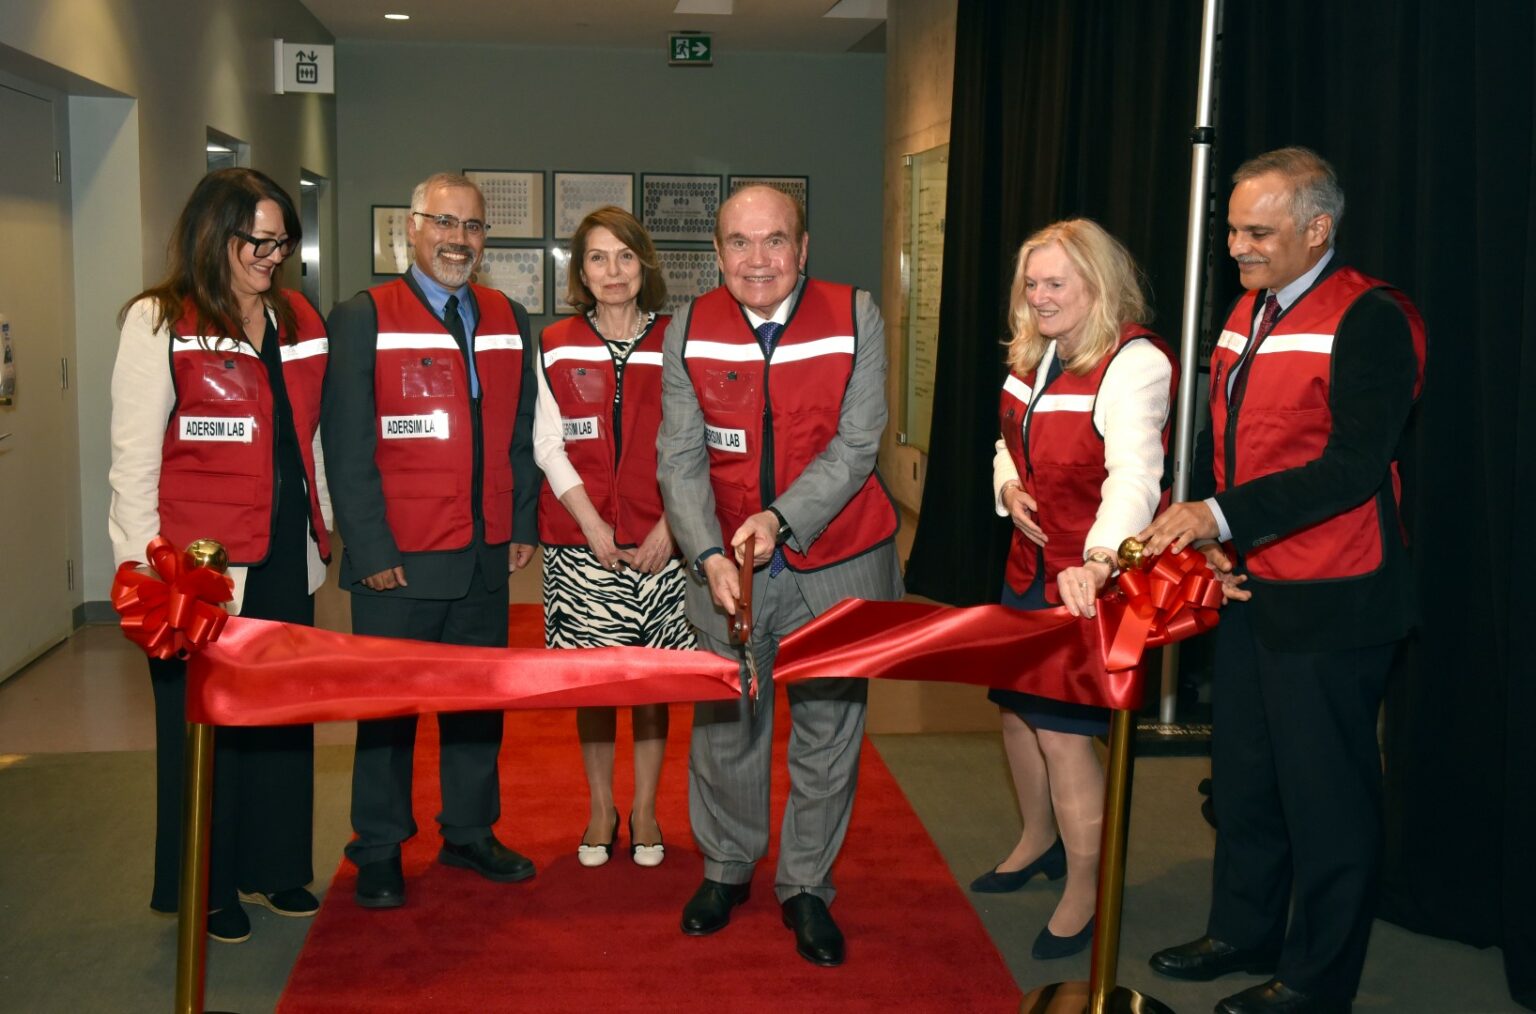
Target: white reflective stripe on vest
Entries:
(1016, 387)
(1320, 343)
(1232, 341)
(840, 345)
(405, 340)
(644, 359)
(1064, 403)
(498, 342)
(729, 352)
(304, 349)
(580, 353)
(191, 345)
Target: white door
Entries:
(37, 431)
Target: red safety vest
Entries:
(427, 435)
(1059, 455)
(611, 445)
(216, 463)
(1283, 418)
(765, 421)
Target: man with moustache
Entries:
(1312, 380)
(427, 420)
(773, 403)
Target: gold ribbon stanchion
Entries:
(1100, 994)
(192, 916)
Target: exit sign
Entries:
(690, 51)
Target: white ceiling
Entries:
(771, 25)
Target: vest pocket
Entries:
(208, 487)
(427, 377)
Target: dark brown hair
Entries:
(197, 257)
(627, 230)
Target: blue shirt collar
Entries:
(437, 293)
(1292, 292)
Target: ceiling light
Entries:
(219, 148)
(306, 183)
(397, 17)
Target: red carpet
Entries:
(574, 939)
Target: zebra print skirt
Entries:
(586, 606)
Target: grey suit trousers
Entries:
(730, 766)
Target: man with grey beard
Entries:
(427, 422)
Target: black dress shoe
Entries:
(380, 884)
(489, 858)
(1275, 997)
(1049, 946)
(1207, 958)
(709, 910)
(817, 938)
(1052, 863)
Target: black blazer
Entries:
(1370, 394)
(349, 428)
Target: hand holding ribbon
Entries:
(177, 613)
(1173, 598)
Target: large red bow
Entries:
(1176, 598)
(179, 612)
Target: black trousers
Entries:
(1297, 787)
(261, 838)
(471, 740)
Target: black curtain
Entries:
(1061, 108)
(1426, 109)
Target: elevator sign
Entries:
(690, 51)
(304, 68)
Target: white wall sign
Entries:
(304, 68)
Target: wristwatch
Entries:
(1100, 556)
(784, 531)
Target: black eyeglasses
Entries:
(451, 223)
(263, 247)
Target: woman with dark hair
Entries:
(1079, 467)
(611, 573)
(215, 402)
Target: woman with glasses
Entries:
(612, 577)
(215, 402)
(1079, 466)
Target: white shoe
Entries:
(597, 855)
(645, 855)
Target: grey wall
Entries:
(405, 111)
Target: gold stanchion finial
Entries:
(208, 553)
(1133, 554)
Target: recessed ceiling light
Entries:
(397, 17)
(306, 183)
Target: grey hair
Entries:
(436, 180)
(1315, 186)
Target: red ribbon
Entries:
(177, 613)
(1175, 599)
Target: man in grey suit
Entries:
(427, 419)
(772, 408)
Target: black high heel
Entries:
(1048, 945)
(1052, 863)
(597, 855)
(646, 854)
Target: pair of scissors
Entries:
(741, 626)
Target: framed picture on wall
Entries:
(560, 272)
(688, 274)
(798, 187)
(391, 250)
(517, 271)
(679, 207)
(514, 202)
(578, 194)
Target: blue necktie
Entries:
(768, 335)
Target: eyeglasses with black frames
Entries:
(451, 223)
(263, 247)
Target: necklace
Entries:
(642, 321)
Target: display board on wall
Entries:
(514, 202)
(798, 187)
(679, 207)
(579, 194)
(688, 274)
(517, 271)
(391, 249)
(921, 280)
(561, 273)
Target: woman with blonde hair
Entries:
(1078, 467)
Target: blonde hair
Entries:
(1113, 281)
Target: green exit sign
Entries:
(689, 51)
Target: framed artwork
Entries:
(578, 194)
(560, 273)
(688, 274)
(517, 271)
(679, 207)
(798, 187)
(391, 250)
(514, 202)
